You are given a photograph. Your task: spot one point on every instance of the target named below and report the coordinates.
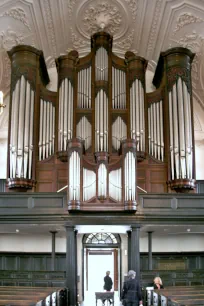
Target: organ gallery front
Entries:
(101, 134)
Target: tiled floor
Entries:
(91, 301)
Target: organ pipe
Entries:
(118, 89)
(84, 88)
(65, 131)
(137, 121)
(46, 129)
(102, 181)
(155, 130)
(130, 177)
(84, 131)
(180, 125)
(74, 176)
(115, 184)
(89, 184)
(119, 132)
(21, 140)
(101, 122)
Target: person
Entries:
(131, 294)
(108, 283)
(158, 283)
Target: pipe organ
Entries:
(101, 127)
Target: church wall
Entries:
(40, 243)
(30, 243)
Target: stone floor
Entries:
(90, 300)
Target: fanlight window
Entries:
(101, 238)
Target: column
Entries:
(129, 249)
(150, 250)
(71, 265)
(135, 250)
(53, 250)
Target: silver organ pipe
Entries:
(74, 176)
(118, 89)
(65, 126)
(84, 88)
(115, 184)
(46, 129)
(31, 134)
(137, 121)
(89, 184)
(171, 144)
(14, 128)
(188, 131)
(101, 122)
(130, 177)
(26, 132)
(161, 129)
(155, 132)
(21, 140)
(119, 132)
(101, 68)
(84, 131)
(102, 181)
(21, 127)
(180, 131)
(175, 126)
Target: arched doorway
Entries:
(102, 252)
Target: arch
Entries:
(101, 239)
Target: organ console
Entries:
(101, 133)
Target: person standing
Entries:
(131, 294)
(108, 284)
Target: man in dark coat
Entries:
(108, 283)
(131, 294)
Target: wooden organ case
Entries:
(101, 134)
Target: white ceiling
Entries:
(145, 27)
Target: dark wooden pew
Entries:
(30, 296)
(177, 296)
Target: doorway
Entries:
(101, 253)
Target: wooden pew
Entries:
(32, 296)
(174, 296)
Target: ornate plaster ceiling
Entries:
(145, 27)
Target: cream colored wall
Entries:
(174, 243)
(30, 243)
(43, 243)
